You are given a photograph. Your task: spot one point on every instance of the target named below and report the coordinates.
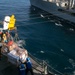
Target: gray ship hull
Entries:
(53, 9)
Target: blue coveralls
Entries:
(29, 67)
(22, 69)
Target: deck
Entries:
(6, 68)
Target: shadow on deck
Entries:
(7, 68)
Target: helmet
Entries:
(7, 18)
(27, 59)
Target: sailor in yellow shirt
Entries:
(11, 25)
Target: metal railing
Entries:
(48, 69)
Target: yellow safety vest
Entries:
(11, 25)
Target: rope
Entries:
(34, 23)
(36, 17)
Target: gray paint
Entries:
(53, 9)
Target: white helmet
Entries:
(7, 18)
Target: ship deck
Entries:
(6, 68)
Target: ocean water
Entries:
(47, 37)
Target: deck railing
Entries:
(48, 69)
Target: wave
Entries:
(72, 62)
(71, 29)
(58, 24)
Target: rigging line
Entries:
(34, 23)
(34, 14)
(38, 14)
(36, 18)
(41, 17)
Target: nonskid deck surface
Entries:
(6, 68)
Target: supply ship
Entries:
(64, 9)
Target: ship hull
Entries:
(54, 9)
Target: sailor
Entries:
(6, 22)
(29, 66)
(4, 38)
(22, 69)
(8, 36)
(11, 25)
